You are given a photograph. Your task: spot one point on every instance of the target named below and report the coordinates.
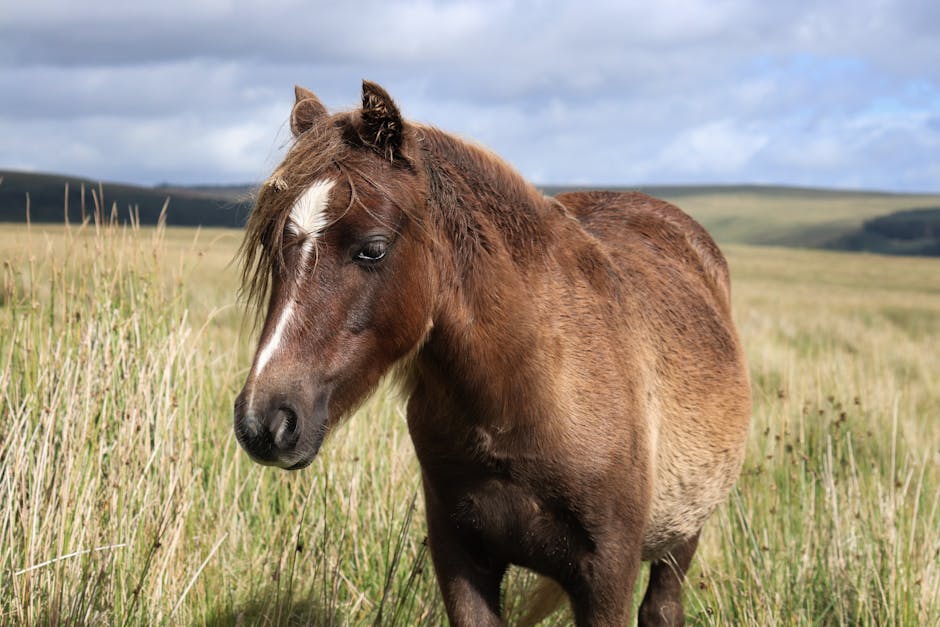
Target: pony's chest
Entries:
(515, 523)
(494, 508)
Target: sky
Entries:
(827, 94)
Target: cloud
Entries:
(719, 148)
(831, 93)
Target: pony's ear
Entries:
(307, 110)
(382, 127)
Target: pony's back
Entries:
(617, 218)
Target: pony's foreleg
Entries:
(469, 582)
(604, 597)
(662, 604)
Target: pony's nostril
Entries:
(250, 424)
(284, 427)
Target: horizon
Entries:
(717, 185)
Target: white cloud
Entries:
(718, 148)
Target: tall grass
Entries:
(836, 519)
(125, 500)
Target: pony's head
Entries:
(336, 246)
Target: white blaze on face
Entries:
(308, 215)
(307, 220)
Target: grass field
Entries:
(124, 498)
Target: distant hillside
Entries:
(743, 214)
(207, 206)
(793, 216)
(907, 232)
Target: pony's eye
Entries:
(372, 251)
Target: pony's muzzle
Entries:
(267, 436)
(278, 432)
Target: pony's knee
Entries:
(661, 612)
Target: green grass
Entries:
(124, 498)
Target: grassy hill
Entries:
(741, 214)
(206, 206)
(908, 232)
(796, 217)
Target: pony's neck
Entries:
(488, 338)
(484, 206)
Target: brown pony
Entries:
(577, 395)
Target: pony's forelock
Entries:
(312, 154)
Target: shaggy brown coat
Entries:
(577, 395)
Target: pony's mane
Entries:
(467, 186)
